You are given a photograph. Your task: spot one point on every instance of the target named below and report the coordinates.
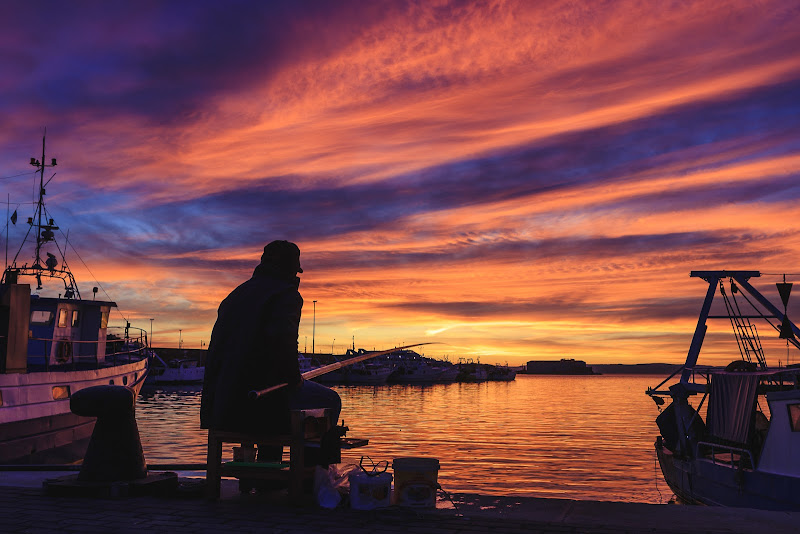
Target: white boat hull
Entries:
(36, 428)
(188, 375)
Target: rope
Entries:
(655, 475)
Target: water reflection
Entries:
(582, 437)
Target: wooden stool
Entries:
(306, 426)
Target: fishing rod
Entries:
(308, 375)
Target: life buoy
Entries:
(64, 351)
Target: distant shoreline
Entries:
(664, 369)
(635, 369)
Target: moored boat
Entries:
(745, 450)
(368, 373)
(177, 371)
(502, 373)
(53, 346)
(411, 368)
(469, 371)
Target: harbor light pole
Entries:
(151, 332)
(314, 328)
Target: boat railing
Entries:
(720, 454)
(128, 350)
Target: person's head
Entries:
(282, 258)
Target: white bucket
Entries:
(416, 481)
(368, 492)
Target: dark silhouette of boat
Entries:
(53, 346)
(746, 451)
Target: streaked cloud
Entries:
(516, 180)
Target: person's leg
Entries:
(312, 395)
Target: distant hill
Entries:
(665, 369)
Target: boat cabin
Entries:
(781, 452)
(58, 331)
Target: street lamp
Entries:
(314, 328)
(180, 338)
(332, 342)
(151, 332)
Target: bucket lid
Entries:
(415, 464)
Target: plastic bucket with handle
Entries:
(415, 481)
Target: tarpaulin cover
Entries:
(731, 404)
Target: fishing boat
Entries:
(739, 446)
(470, 371)
(449, 372)
(53, 346)
(364, 373)
(412, 368)
(502, 373)
(176, 371)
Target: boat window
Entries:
(60, 392)
(794, 417)
(62, 317)
(104, 320)
(76, 314)
(40, 317)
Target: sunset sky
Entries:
(512, 180)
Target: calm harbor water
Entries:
(574, 437)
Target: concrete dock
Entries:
(25, 508)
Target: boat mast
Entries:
(44, 233)
(44, 228)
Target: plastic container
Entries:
(415, 482)
(368, 492)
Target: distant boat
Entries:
(411, 368)
(51, 347)
(747, 451)
(502, 373)
(372, 373)
(177, 371)
(469, 371)
(449, 373)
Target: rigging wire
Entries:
(48, 215)
(734, 323)
(794, 342)
(749, 331)
(92, 275)
(16, 175)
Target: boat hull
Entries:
(189, 375)
(55, 439)
(35, 428)
(703, 481)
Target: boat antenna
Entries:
(42, 236)
(8, 218)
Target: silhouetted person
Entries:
(254, 345)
